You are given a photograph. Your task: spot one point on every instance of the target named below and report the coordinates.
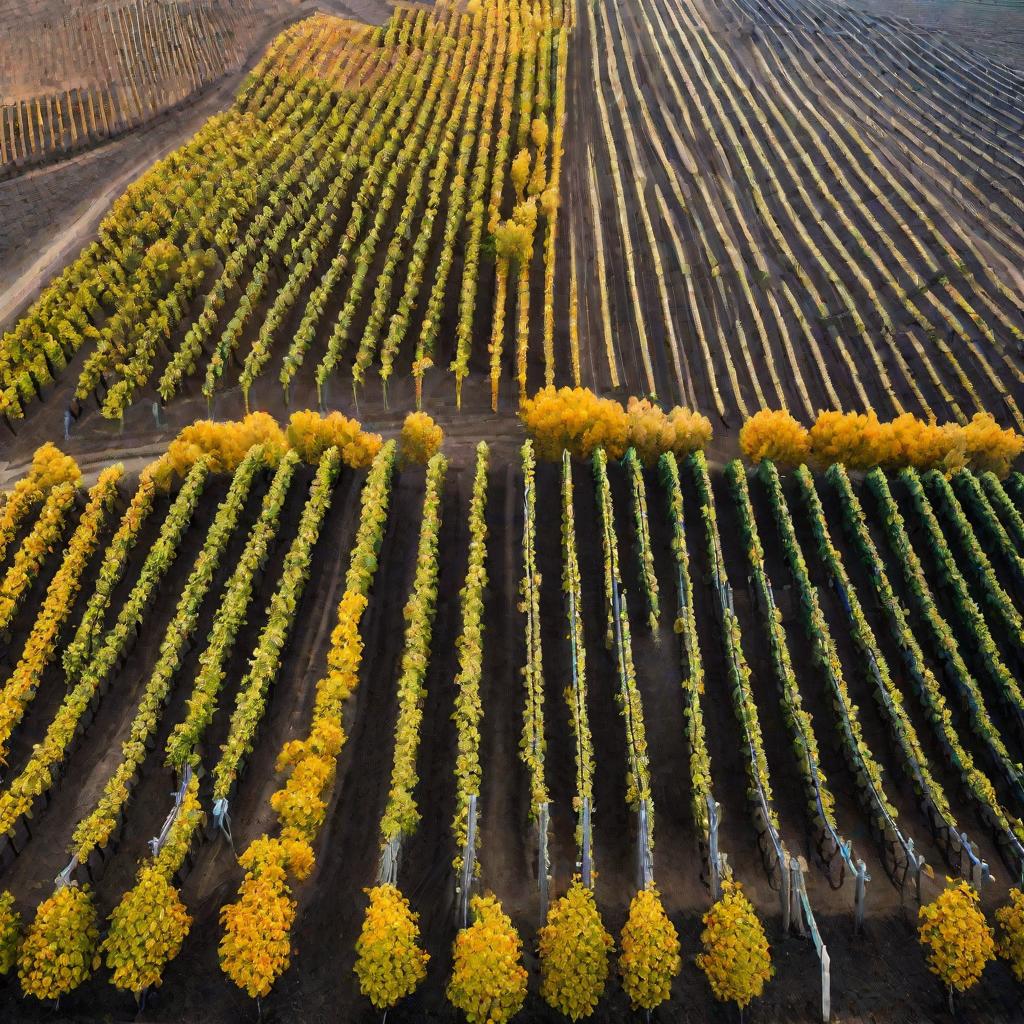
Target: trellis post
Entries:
(542, 859)
(586, 865)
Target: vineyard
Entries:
(811, 209)
(656, 649)
(340, 217)
(381, 219)
(163, 801)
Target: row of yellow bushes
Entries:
(862, 441)
(578, 420)
(308, 432)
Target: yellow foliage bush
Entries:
(147, 929)
(520, 171)
(989, 447)
(691, 430)
(574, 419)
(859, 440)
(513, 238)
(775, 434)
(853, 438)
(61, 946)
(311, 434)
(50, 467)
(1009, 941)
(10, 933)
(255, 949)
(574, 950)
(736, 959)
(908, 441)
(580, 421)
(225, 444)
(652, 431)
(958, 940)
(421, 439)
(267, 855)
(650, 957)
(390, 964)
(488, 980)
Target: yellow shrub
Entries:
(652, 431)
(488, 979)
(691, 430)
(311, 434)
(774, 434)
(576, 419)
(50, 466)
(60, 949)
(421, 439)
(10, 933)
(390, 964)
(989, 447)
(958, 940)
(255, 949)
(736, 959)
(513, 238)
(574, 949)
(147, 929)
(908, 441)
(580, 421)
(862, 441)
(226, 444)
(650, 951)
(520, 171)
(1009, 943)
(855, 439)
(267, 855)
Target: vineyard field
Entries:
(511, 510)
(330, 901)
(704, 298)
(119, 65)
(805, 266)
